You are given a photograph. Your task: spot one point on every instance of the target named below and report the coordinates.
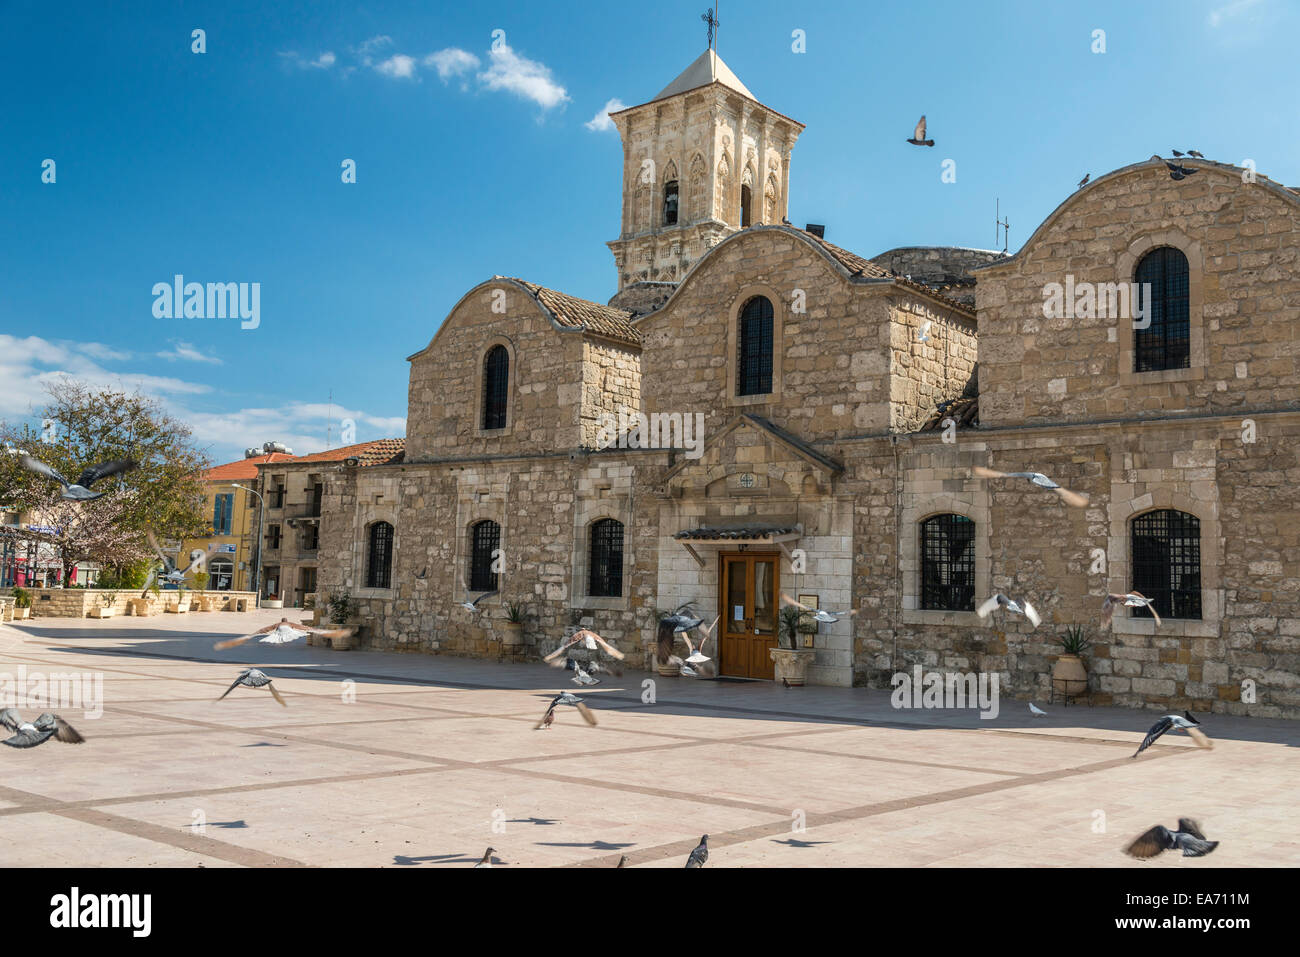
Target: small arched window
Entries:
(1166, 550)
(496, 387)
(379, 556)
(670, 203)
(754, 348)
(1166, 342)
(745, 201)
(606, 559)
(485, 543)
(948, 563)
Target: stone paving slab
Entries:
(434, 752)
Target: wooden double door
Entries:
(750, 592)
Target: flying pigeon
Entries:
(254, 678)
(1036, 711)
(1179, 171)
(170, 572)
(682, 622)
(1084, 182)
(282, 633)
(590, 639)
(1185, 721)
(78, 491)
(821, 614)
(580, 677)
(1039, 479)
(1176, 153)
(565, 697)
(486, 860)
(1133, 599)
(1014, 607)
(918, 135)
(29, 734)
(472, 606)
(1199, 155)
(423, 573)
(924, 334)
(1188, 838)
(697, 655)
(700, 854)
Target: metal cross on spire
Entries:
(711, 18)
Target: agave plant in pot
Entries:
(512, 629)
(791, 660)
(1069, 674)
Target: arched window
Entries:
(485, 541)
(606, 559)
(1166, 342)
(754, 344)
(745, 200)
(496, 387)
(670, 203)
(1166, 550)
(379, 561)
(948, 563)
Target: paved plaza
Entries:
(387, 760)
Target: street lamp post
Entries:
(261, 517)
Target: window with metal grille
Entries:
(1167, 563)
(273, 536)
(670, 203)
(754, 347)
(379, 564)
(485, 539)
(1166, 342)
(948, 563)
(606, 578)
(496, 387)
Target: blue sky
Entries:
(225, 166)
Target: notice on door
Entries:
(737, 612)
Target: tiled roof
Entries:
(583, 314)
(865, 268)
(727, 532)
(965, 411)
(243, 469)
(378, 452)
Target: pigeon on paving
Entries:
(30, 734)
(1133, 599)
(1185, 721)
(1179, 171)
(254, 678)
(918, 135)
(821, 614)
(700, 854)
(1007, 604)
(1159, 839)
(565, 697)
(1199, 155)
(590, 639)
(1036, 711)
(1084, 182)
(486, 860)
(1039, 479)
(785, 681)
(282, 633)
(622, 861)
(78, 491)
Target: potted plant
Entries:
(106, 607)
(181, 604)
(273, 600)
(791, 660)
(340, 606)
(513, 627)
(1069, 675)
(200, 587)
(22, 604)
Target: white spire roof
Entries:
(708, 68)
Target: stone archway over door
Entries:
(749, 591)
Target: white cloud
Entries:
(399, 66)
(601, 121)
(521, 76)
(187, 352)
(1230, 11)
(302, 426)
(452, 62)
(322, 62)
(374, 45)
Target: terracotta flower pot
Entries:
(512, 633)
(1069, 675)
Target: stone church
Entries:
(842, 403)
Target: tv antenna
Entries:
(1001, 227)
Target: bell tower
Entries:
(701, 160)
